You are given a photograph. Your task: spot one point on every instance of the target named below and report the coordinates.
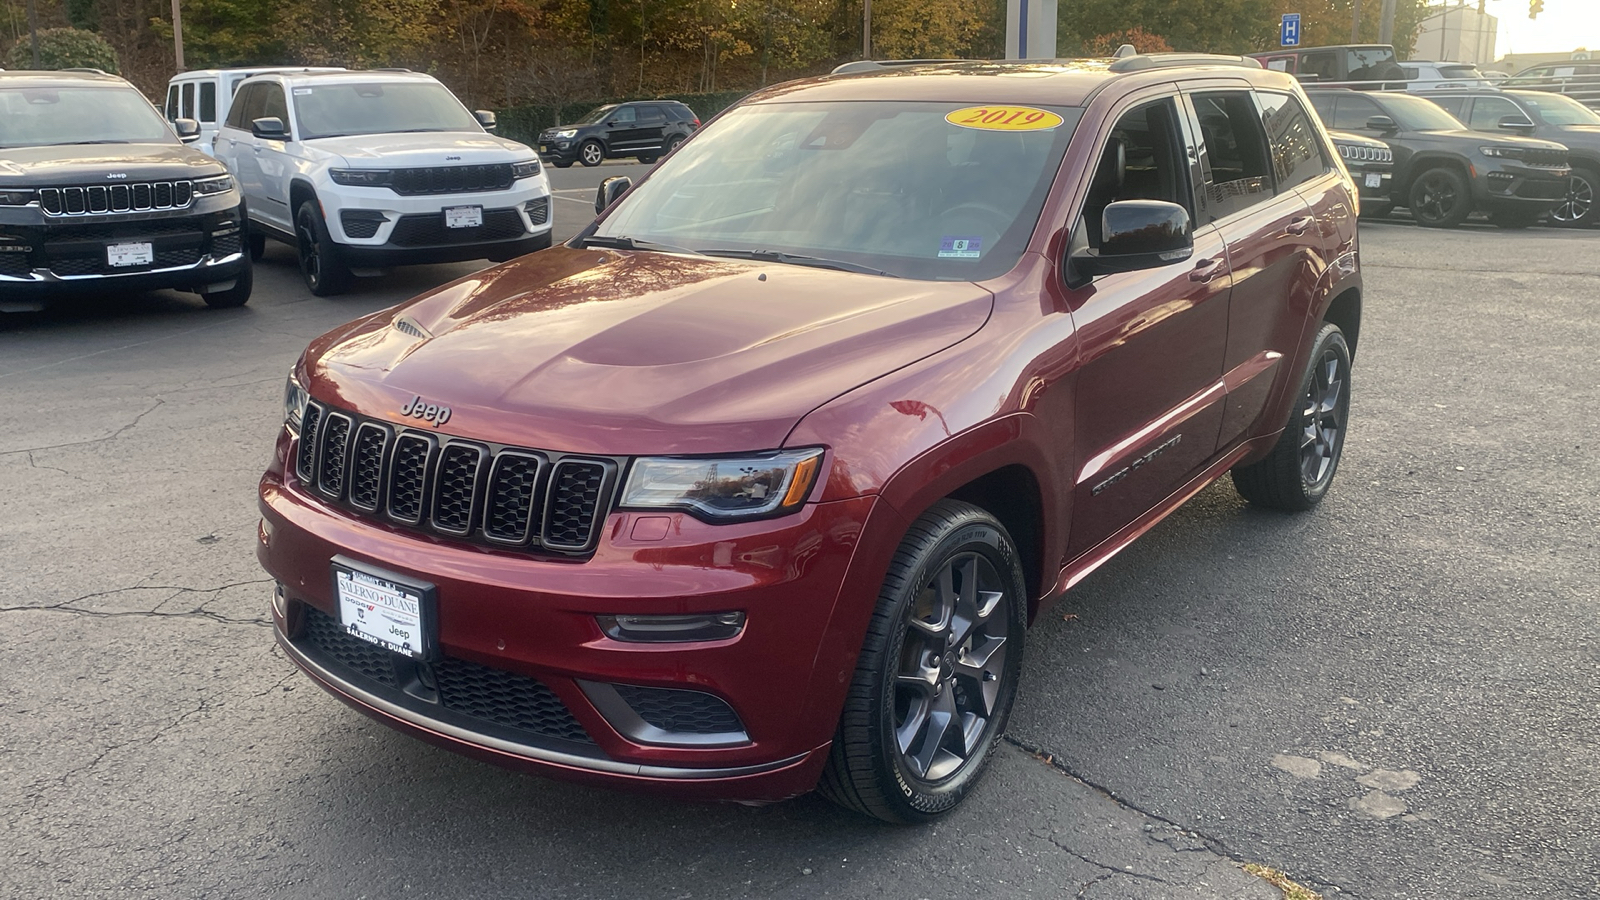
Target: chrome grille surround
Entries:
(108, 199)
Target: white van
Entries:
(206, 95)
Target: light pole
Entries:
(33, 30)
(177, 34)
(866, 29)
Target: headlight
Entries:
(1502, 152)
(295, 399)
(726, 488)
(566, 133)
(525, 169)
(220, 184)
(15, 197)
(361, 177)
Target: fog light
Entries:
(670, 629)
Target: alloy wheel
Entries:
(1578, 203)
(1439, 198)
(591, 154)
(952, 663)
(310, 251)
(1326, 406)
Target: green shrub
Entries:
(64, 48)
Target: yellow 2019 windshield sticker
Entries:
(1004, 118)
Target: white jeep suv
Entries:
(363, 170)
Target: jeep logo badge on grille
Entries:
(417, 408)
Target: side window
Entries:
(1296, 146)
(1452, 105)
(1322, 102)
(172, 102)
(1233, 155)
(1142, 160)
(1488, 111)
(273, 104)
(625, 115)
(652, 115)
(236, 111)
(1325, 66)
(1353, 112)
(1411, 73)
(188, 100)
(208, 102)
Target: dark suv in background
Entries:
(97, 192)
(1442, 170)
(1543, 115)
(645, 130)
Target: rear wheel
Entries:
(1440, 199)
(236, 296)
(937, 673)
(1577, 210)
(324, 272)
(591, 154)
(1296, 474)
(563, 164)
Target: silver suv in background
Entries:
(360, 171)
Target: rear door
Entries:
(652, 127)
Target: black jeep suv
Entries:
(645, 129)
(1443, 171)
(97, 192)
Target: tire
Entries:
(1515, 218)
(591, 153)
(895, 755)
(1577, 211)
(1295, 476)
(324, 272)
(236, 296)
(672, 143)
(1440, 199)
(257, 243)
(567, 164)
(648, 159)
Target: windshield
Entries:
(890, 186)
(1554, 109)
(1418, 114)
(336, 110)
(43, 117)
(596, 115)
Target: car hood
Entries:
(1481, 138)
(1586, 135)
(429, 148)
(93, 163)
(620, 353)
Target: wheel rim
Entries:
(310, 252)
(1580, 199)
(1438, 198)
(1324, 418)
(952, 668)
(591, 153)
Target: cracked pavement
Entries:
(1390, 697)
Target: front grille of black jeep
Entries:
(104, 199)
(1545, 159)
(452, 179)
(486, 493)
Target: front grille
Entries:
(505, 699)
(102, 199)
(428, 229)
(683, 712)
(503, 496)
(452, 179)
(226, 245)
(1363, 153)
(1545, 159)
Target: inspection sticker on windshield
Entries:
(302, 92)
(959, 247)
(1004, 118)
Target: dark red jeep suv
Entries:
(755, 485)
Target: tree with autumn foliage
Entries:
(1141, 40)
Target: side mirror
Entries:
(487, 119)
(1383, 124)
(609, 191)
(1520, 124)
(270, 129)
(188, 130)
(1138, 234)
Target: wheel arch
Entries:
(1345, 312)
(1423, 162)
(301, 190)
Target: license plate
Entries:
(393, 614)
(118, 255)
(1374, 179)
(544, 148)
(463, 217)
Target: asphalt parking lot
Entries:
(1391, 697)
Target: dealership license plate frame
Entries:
(129, 254)
(1374, 179)
(463, 217)
(365, 622)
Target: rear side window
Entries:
(1353, 112)
(1234, 155)
(188, 100)
(1488, 111)
(651, 115)
(1296, 147)
(1451, 105)
(1412, 73)
(208, 102)
(236, 111)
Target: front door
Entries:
(274, 161)
(1149, 395)
(622, 130)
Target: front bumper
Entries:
(377, 227)
(1519, 187)
(526, 624)
(558, 150)
(1374, 183)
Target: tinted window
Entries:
(1460, 72)
(1451, 105)
(1234, 154)
(1488, 111)
(1322, 102)
(188, 100)
(236, 111)
(1415, 113)
(172, 102)
(1325, 66)
(1296, 147)
(330, 110)
(1367, 63)
(208, 102)
(1412, 73)
(1353, 112)
(46, 116)
(273, 105)
(251, 102)
(651, 115)
(625, 115)
(1554, 109)
(1141, 161)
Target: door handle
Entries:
(1301, 225)
(1207, 269)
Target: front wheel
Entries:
(1296, 474)
(324, 272)
(937, 673)
(236, 296)
(591, 154)
(257, 244)
(1577, 210)
(1440, 199)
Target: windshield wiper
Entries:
(81, 143)
(818, 262)
(628, 243)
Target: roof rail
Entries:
(1171, 60)
(875, 65)
(390, 69)
(85, 70)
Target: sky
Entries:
(1564, 25)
